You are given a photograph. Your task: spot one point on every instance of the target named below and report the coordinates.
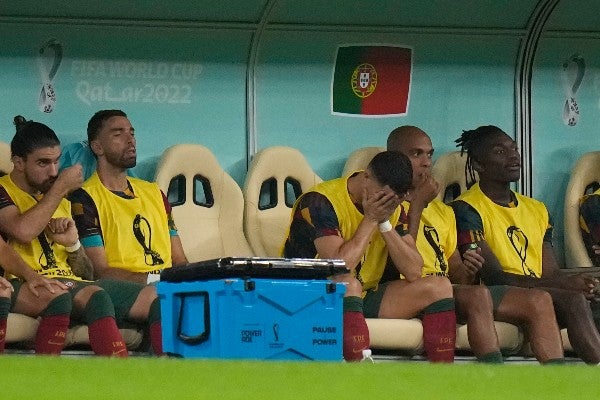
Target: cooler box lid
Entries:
(255, 267)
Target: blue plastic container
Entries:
(253, 319)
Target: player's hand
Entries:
(582, 283)
(425, 191)
(380, 205)
(592, 285)
(473, 261)
(62, 231)
(69, 179)
(52, 285)
(596, 248)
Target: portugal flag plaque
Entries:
(371, 81)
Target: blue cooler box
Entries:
(254, 318)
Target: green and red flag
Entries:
(371, 80)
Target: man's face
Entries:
(499, 159)
(116, 143)
(418, 148)
(40, 167)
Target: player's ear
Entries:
(18, 163)
(96, 147)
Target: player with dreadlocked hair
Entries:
(514, 233)
(469, 142)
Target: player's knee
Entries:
(144, 304)
(59, 305)
(353, 287)
(98, 306)
(149, 293)
(436, 287)
(83, 296)
(538, 304)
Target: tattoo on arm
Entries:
(81, 265)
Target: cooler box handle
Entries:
(202, 337)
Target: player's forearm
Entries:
(12, 263)
(27, 226)
(80, 264)
(414, 218)
(178, 256)
(404, 254)
(353, 250)
(495, 277)
(461, 276)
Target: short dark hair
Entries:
(98, 119)
(393, 169)
(31, 136)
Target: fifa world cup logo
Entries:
(520, 243)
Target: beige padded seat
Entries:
(510, 338)
(404, 335)
(78, 335)
(449, 171)
(585, 172)
(359, 159)
(565, 340)
(276, 177)
(20, 328)
(208, 205)
(6, 164)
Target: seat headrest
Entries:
(359, 159)
(6, 164)
(208, 204)
(449, 171)
(276, 177)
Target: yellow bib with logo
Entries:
(375, 257)
(135, 231)
(43, 255)
(436, 238)
(515, 234)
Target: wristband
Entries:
(74, 248)
(385, 226)
(151, 278)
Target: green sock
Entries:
(353, 303)
(495, 357)
(439, 306)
